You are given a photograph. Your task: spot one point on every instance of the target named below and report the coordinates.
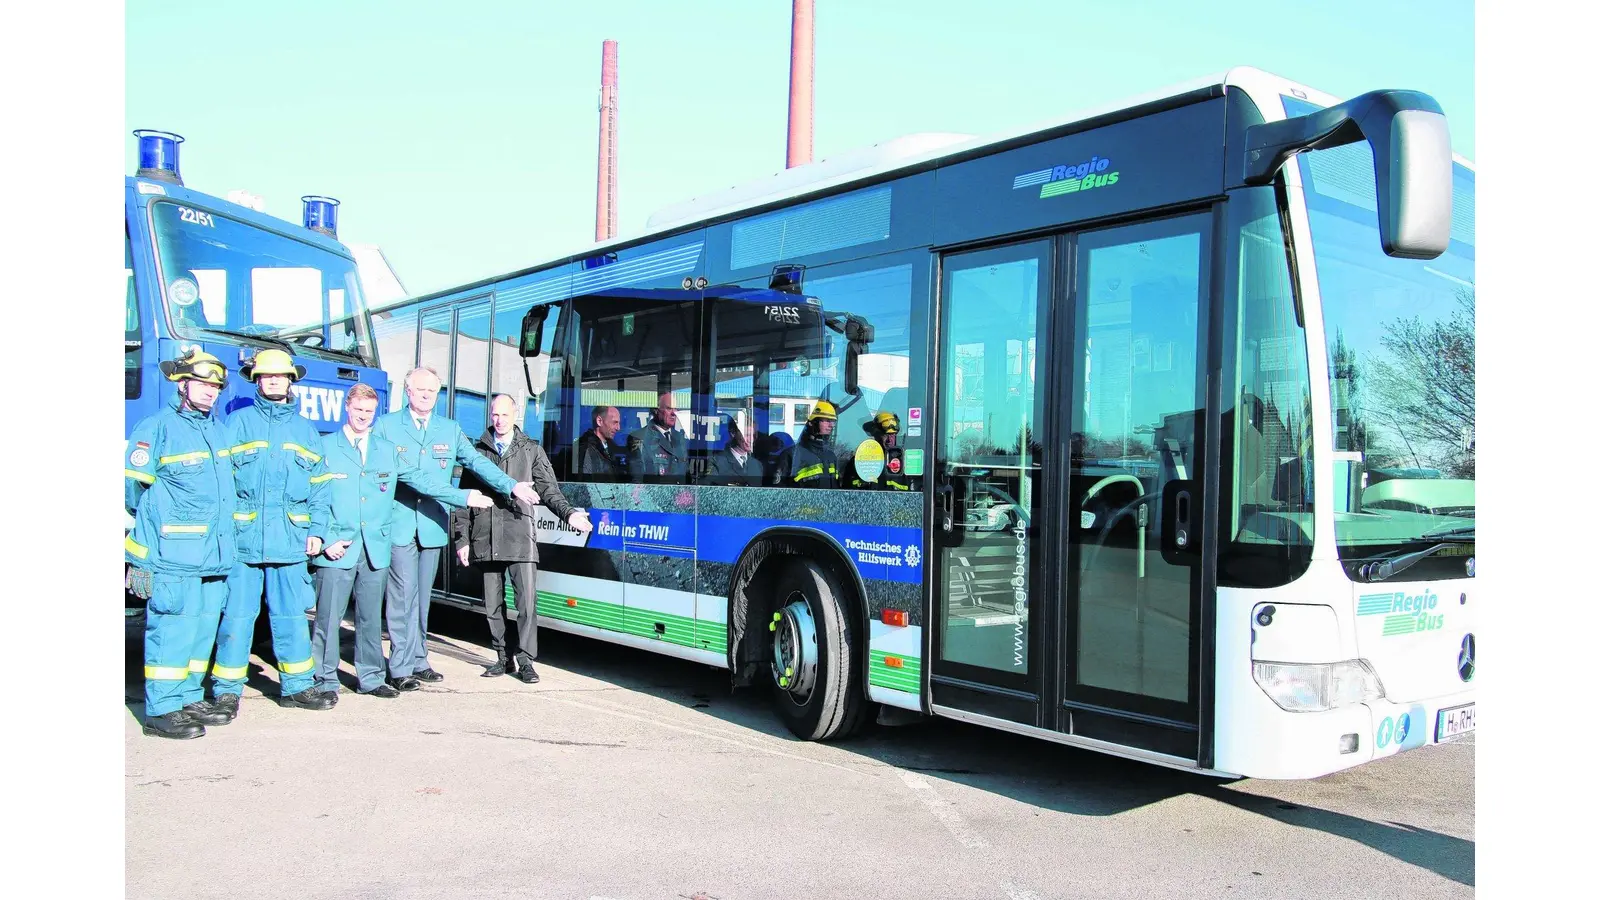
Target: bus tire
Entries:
(815, 668)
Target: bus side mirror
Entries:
(1411, 158)
(533, 332)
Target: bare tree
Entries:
(1422, 392)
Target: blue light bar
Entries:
(322, 214)
(158, 155)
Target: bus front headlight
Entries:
(1314, 687)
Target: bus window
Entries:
(133, 354)
(527, 381)
(1267, 525)
(768, 344)
(635, 351)
(433, 351)
(880, 298)
(396, 335)
(471, 373)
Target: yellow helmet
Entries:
(887, 422)
(272, 362)
(823, 410)
(196, 365)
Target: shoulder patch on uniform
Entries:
(140, 457)
(142, 445)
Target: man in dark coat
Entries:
(596, 459)
(735, 463)
(501, 541)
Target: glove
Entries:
(139, 583)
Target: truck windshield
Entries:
(224, 276)
(1401, 362)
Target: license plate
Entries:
(1456, 721)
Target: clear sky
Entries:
(461, 137)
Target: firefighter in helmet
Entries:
(180, 492)
(276, 460)
(812, 462)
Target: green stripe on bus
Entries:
(616, 617)
(905, 677)
(1399, 625)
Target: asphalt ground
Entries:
(623, 774)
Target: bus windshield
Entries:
(1401, 362)
(224, 276)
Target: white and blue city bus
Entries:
(206, 272)
(1185, 396)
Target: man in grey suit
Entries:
(658, 450)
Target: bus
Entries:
(1179, 424)
(204, 271)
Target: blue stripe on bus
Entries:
(879, 551)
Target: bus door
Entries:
(462, 358)
(1067, 503)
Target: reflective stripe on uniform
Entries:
(222, 453)
(303, 452)
(136, 548)
(808, 472)
(185, 457)
(295, 668)
(253, 445)
(197, 666)
(137, 475)
(300, 517)
(243, 517)
(166, 673)
(231, 673)
(318, 479)
(184, 529)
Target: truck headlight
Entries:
(1313, 687)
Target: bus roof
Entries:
(902, 156)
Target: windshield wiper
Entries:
(1460, 534)
(1384, 568)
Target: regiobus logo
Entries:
(1068, 179)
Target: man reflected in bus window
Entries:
(658, 449)
(735, 463)
(812, 462)
(597, 458)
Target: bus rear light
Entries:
(896, 617)
(572, 601)
(1314, 687)
(894, 662)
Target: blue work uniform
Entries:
(275, 460)
(361, 508)
(180, 492)
(422, 527)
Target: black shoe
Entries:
(310, 698)
(528, 676)
(405, 683)
(382, 690)
(178, 725)
(206, 714)
(494, 671)
(227, 703)
(428, 675)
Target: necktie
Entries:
(499, 448)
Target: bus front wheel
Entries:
(814, 661)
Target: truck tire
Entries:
(816, 677)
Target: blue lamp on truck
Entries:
(322, 215)
(158, 155)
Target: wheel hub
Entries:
(794, 649)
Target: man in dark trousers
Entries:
(501, 541)
(658, 451)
